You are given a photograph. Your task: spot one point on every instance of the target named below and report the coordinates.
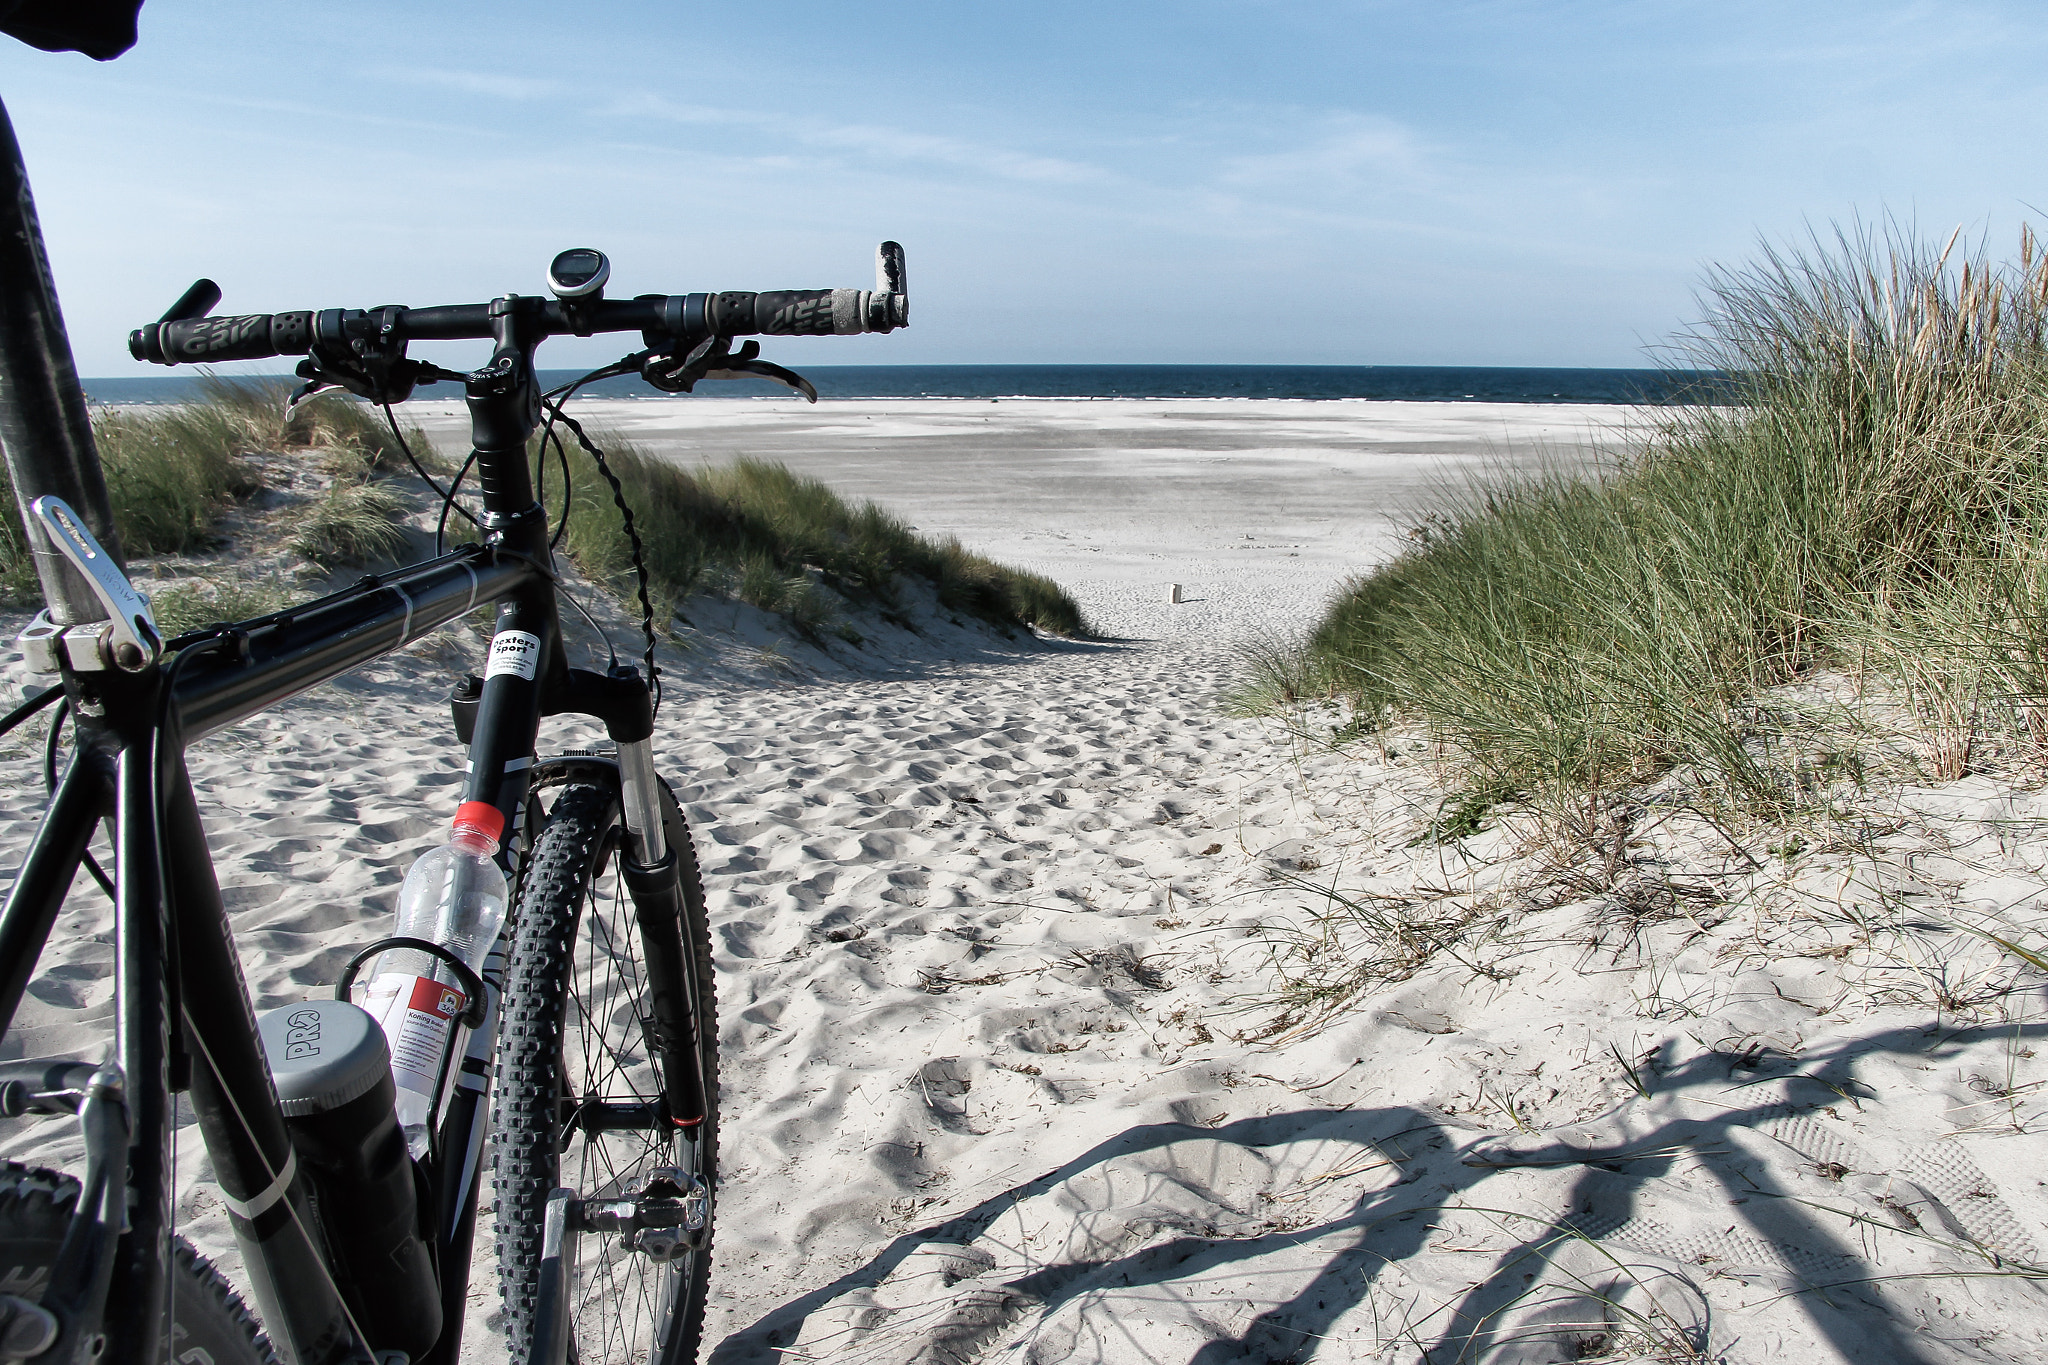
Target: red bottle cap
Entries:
(480, 817)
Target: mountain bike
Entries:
(594, 1016)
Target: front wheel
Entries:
(607, 1083)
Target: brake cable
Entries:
(626, 516)
(551, 402)
(540, 493)
(441, 524)
(30, 707)
(448, 494)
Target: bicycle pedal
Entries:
(660, 1245)
(663, 1221)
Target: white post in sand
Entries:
(1173, 594)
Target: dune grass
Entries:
(172, 471)
(1875, 499)
(193, 603)
(751, 530)
(353, 524)
(755, 531)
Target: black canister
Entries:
(333, 1074)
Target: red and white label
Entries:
(416, 1013)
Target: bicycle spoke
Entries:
(629, 1286)
(622, 1291)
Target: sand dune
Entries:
(993, 920)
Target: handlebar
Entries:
(679, 318)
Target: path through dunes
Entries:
(985, 940)
(980, 939)
(959, 921)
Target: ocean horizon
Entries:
(1309, 383)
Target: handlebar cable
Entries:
(30, 707)
(447, 495)
(540, 481)
(632, 539)
(448, 502)
(624, 365)
(562, 591)
(51, 740)
(552, 400)
(441, 524)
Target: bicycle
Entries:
(598, 1006)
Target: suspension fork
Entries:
(652, 871)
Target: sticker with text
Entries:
(515, 652)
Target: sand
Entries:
(1258, 508)
(996, 925)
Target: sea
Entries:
(1308, 383)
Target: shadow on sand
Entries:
(1441, 1164)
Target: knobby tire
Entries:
(575, 1026)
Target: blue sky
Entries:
(1325, 183)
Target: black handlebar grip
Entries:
(202, 298)
(252, 336)
(807, 312)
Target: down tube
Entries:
(233, 1097)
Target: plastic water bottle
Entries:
(454, 896)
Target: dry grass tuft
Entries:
(353, 524)
(189, 604)
(173, 471)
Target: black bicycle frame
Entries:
(184, 1019)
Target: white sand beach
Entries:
(993, 923)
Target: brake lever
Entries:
(316, 382)
(670, 375)
(395, 385)
(373, 367)
(712, 358)
(762, 369)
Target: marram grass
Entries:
(751, 530)
(172, 471)
(755, 531)
(1874, 497)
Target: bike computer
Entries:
(578, 273)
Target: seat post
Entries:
(45, 433)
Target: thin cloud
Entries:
(1351, 147)
(470, 82)
(874, 141)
